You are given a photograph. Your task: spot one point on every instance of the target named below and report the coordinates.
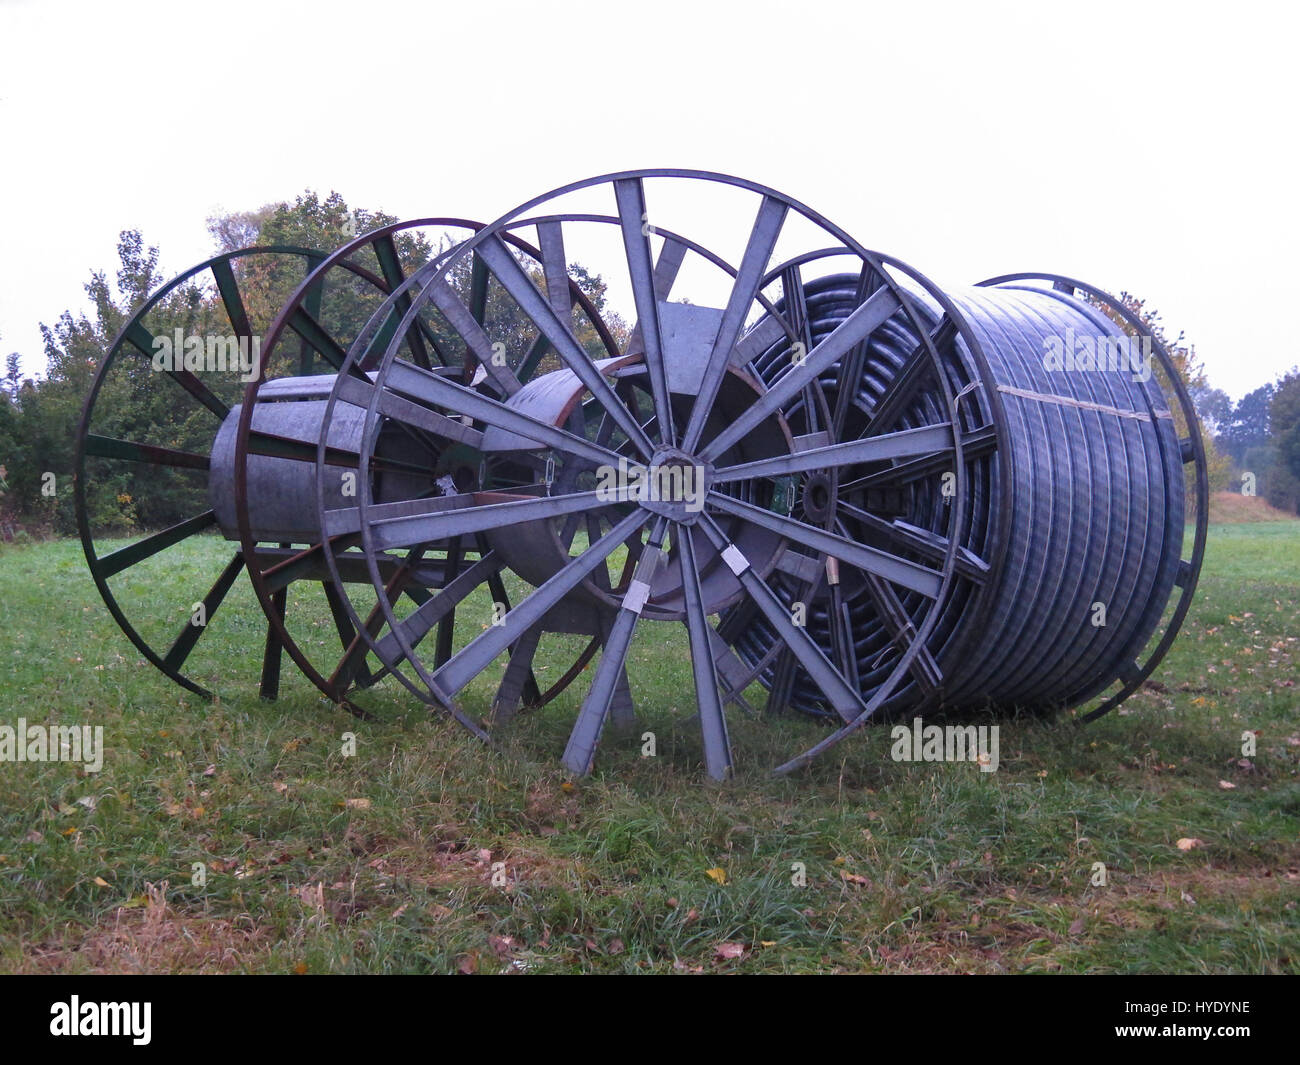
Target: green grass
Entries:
(383, 862)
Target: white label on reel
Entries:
(735, 558)
(637, 594)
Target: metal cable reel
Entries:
(269, 489)
(862, 495)
(1077, 515)
(282, 357)
(207, 347)
(673, 459)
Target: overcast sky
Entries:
(1139, 146)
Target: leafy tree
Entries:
(1214, 407)
(1248, 426)
(13, 378)
(1192, 373)
(1283, 489)
(39, 419)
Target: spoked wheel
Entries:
(177, 367)
(661, 484)
(275, 441)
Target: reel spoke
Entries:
(713, 722)
(918, 578)
(927, 440)
(862, 322)
(513, 279)
(189, 635)
(474, 656)
(630, 194)
(842, 696)
(581, 748)
(758, 251)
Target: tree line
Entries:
(39, 416)
(1253, 445)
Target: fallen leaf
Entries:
(301, 968)
(615, 946)
(501, 945)
(1186, 844)
(1187, 898)
(1077, 926)
(716, 874)
(767, 942)
(854, 878)
(210, 771)
(1227, 785)
(727, 951)
(356, 804)
(101, 881)
(468, 964)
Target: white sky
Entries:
(1148, 147)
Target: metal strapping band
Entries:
(1082, 404)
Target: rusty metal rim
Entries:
(83, 429)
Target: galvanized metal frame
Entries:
(371, 374)
(755, 269)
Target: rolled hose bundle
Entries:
(1090, 460)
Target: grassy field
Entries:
(427, 851)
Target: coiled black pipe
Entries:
(1091, 461)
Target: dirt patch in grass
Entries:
(1170, 889)
(1230, 508)
(154, 938)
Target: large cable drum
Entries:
(1090, 469)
